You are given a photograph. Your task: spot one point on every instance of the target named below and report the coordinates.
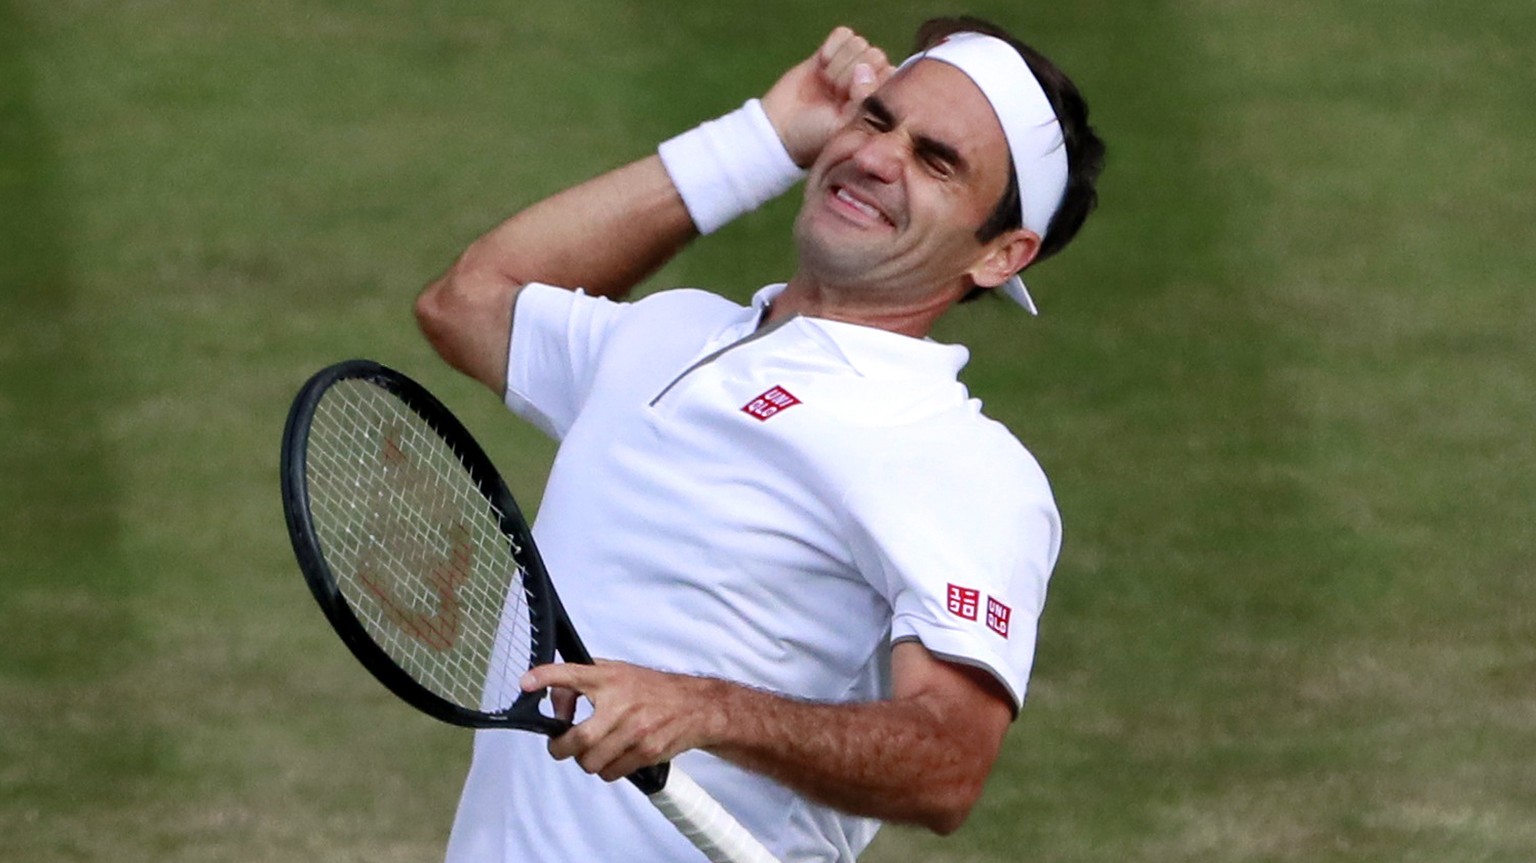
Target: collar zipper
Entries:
(711, 357)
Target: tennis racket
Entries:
(424, 565)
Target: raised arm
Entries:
(609, 233)
(604, 235)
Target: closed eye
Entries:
(942, 159)
(939, 157)
(937, 165)
(876, 115)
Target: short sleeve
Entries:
(557, 339)
(962, 543)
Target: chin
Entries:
(827, 257)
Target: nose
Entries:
(880, 156)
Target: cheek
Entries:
(941, 223)
(839, 148)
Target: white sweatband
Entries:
(1030, 127)
(729, 166)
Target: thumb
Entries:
(864, 83)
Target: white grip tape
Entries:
(705, 822)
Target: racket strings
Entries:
(416, 549)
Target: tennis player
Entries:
(816, 566)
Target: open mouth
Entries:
(861, 208)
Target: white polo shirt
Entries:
(772, 506)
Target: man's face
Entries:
(895, 198)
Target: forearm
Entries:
(894, 760)
(920, 757)
(604, 235)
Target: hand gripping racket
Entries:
(425, 567)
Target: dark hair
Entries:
(1085, 151)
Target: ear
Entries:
(1004, 256)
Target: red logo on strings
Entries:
(997, 617)
(963, 601)
(400, 597)
(769, 404)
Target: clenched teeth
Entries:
(863, 207)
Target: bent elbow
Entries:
(946, 820)
(434, 313)
(948, 824)
(945, 807)
(466, 316)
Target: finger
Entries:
(848, 53)
(864, 83)
(601, 747)
(634, 758)
(562, 674)
(868, 75)
(580, 739)
(628, 746)
(845, 54)
(607, 758)
(833, 42)
(877, 60)
(563, 702)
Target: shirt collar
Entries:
(874, 352)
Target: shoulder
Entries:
(599, 326)
(958, 455)
(933, 437)
(687, 304)
(983, 443)
(681, 304)
(671, 326)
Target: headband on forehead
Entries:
(1029, 125)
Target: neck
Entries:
(813, 298)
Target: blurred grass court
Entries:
(1284, 385)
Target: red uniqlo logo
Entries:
(963, 601)
(997, 617)
(770, 403)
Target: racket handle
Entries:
(705, 822)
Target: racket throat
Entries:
(651, 780)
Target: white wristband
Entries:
(729, 166)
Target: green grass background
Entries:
(1285, 385)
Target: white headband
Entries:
(1029, 125)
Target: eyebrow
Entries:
(923, 145)
(879, 110)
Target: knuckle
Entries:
(651, 751)
(834, 40)
(590, 763)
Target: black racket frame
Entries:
(553, 632)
